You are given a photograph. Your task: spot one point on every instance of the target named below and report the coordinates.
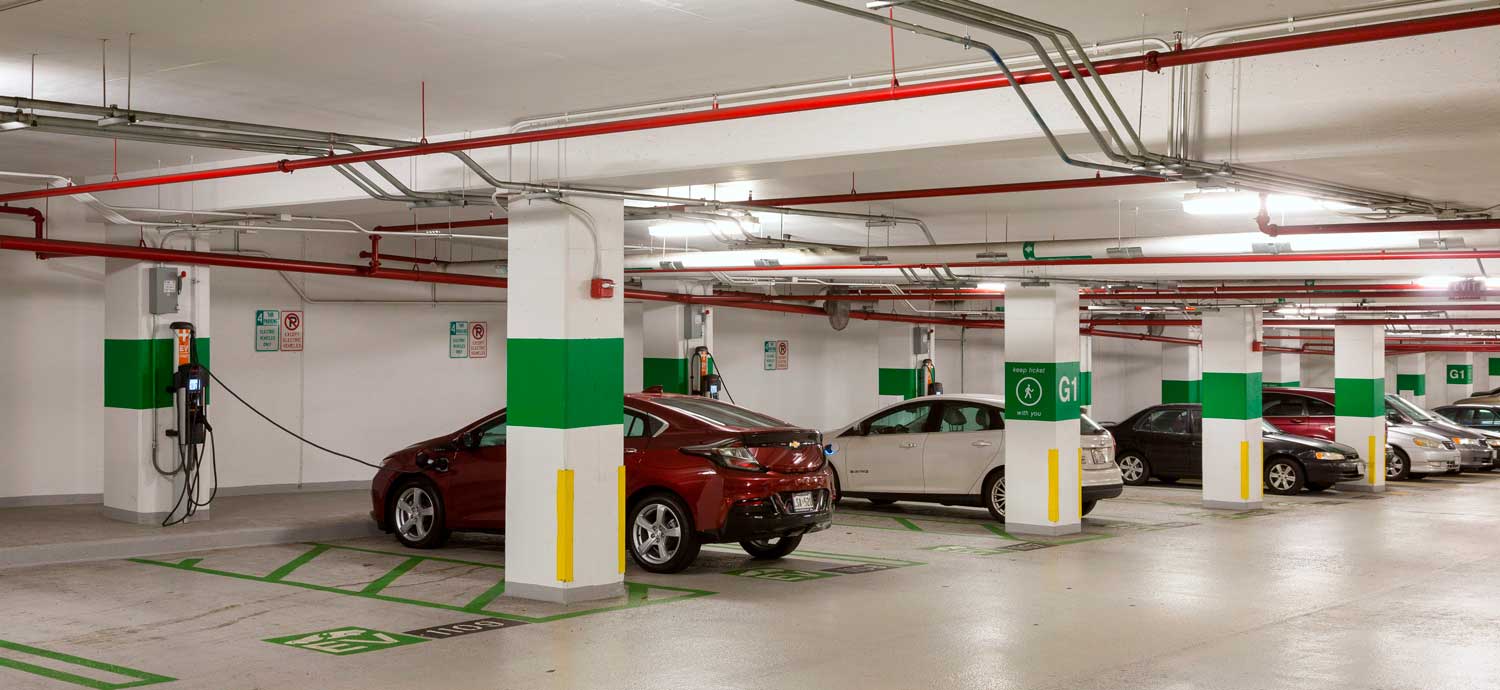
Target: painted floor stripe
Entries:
(35, 667)
(390, 577)
(293, 564)
(907, 524)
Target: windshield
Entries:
(1089, 427)
(720, 413)
(1268, 428)
(1405, 407)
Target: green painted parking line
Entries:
(137, 678)
(395, 573)
(907, 524)
(828, 556)
(289, 566)
(637, 594)
(780, 574)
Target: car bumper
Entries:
(1099, 492)
(1335, 472)
(774, 518)
(1434, 462)
(1480, 459)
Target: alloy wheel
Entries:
(1132, 468)
(1393, 467)
(415, 513)
(997, 496)
(657, 533)
(1282, 477)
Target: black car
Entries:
(1166, 442)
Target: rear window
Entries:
(1089, 427)
(719, 413)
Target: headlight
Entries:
(1494, 442)
(728, 454)
(1427, 443)
(1322, 455)
(1465, 441)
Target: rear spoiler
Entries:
(782, 437)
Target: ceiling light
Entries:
(1437, 281)
(990, 287)
(1325, 311)
(1492, 282)
(1287, 311)
(1209, 203)
(680, 230)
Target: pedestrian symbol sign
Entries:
(1041, 391)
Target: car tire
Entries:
(1134, 469)
(994, 494)
(1398, 466)
(1316, 488)
(660, 533)
(883, 501)
(1284, 476)
(838, 489)
(770, 549)
(417, 515)
(1088, 507)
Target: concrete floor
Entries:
(1330, 591)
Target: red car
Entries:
(696, 470)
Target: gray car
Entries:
(1477, 449)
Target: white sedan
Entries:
(950, 449)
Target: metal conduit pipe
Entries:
(1467, 225)
(1151, 61)
(968, 190)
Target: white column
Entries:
(565, 533)
(1359, 398)
(1411, 375)
(1282, 369)
(901, 349)
(1042, 460)
(1458, 377)
(1232, 453)
(139, 361)
(1181, 373)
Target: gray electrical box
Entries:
(920, 344)
(693, 327)
(165, 286)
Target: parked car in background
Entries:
(1416, 452)
(1484, 419)
(1489, 397)
(950, 449)
(1310, 412)
(696, 471)
(1166, 442)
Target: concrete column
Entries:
(1411, 375)
(671, 332)
(1486, 372)
(565, 532)
(1458, 377)
(1232, 453)
(1042, 460)
(1085, 371)
(901, 350)
(1282, 369)
(1359, 398)
(139, 361)
(1181, 373)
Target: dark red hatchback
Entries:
(696, 471)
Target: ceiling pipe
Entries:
(457, 224)
(1470, 225)
(1151, 61)
(1105, 296)
(38, 220)
(969, 190)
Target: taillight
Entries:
(730, 454)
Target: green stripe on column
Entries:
(902, 382)
(1359, 397)
(1231, 395)
(1181, 391)
(1085, 388)
(565, 383)
(1495, 366)
(1281, 384)
(668, 372)
(1416, 383)
(127, 371)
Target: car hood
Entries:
(1310, 443)
(1413, 431)
(1451, 429)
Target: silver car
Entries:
(1417, 452)
(950, 449)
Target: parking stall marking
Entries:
(49, 664)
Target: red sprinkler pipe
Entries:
(417, 227)
(1407, 226)
(402, 258)
(1151, 61)
(37, 219)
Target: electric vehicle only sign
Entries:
(267, 330)
(468, 339)
(777, 355)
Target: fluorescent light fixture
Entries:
(674, 229)
(1288, 311)
(1437, 281)
(990, 287)
(1208, 203)
(1325, 311)
(1492, 283)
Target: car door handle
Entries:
(628, 451)
(908, 444)
(982, 444)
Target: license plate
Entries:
(803, 502)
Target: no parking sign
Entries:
(479, 341)
(291, 331)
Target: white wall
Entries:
(1317, 371)
(1127, 377)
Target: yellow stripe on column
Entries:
(1371, 472)
(1244, 470)
(1052, 485)
(1080, 483)
(565, 525)
(620, 486)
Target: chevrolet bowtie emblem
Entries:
(794, 444)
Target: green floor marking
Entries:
(386, 579)
(827, 556)
(347, 641)
(907, 524)
(780, 574)
(966, 550)
(138, 678)
(637, 594)
(284, 570)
